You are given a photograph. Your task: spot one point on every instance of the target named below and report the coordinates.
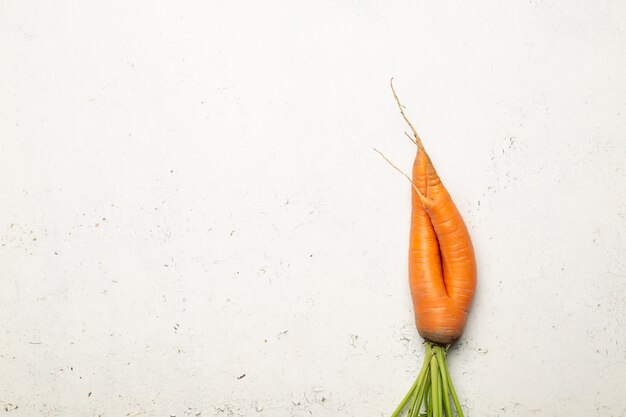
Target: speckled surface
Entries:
(194, 223)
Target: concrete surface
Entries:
(194, 223)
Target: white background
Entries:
(189, 194)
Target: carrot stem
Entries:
(441, 359)
(436, 381)
(413, 401)
(457, 405)
(421, 391)
(414, 390)
(406, 399)
(433, 388)
(421, 396)
(428, 402)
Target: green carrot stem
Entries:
(441, 408)
(441, 359)
(440, 396)
(422, 395)
(420, 385)
(421, 389)
(457, 405)
(412, 393)
(427, 402)
(405, 399)
(434, 377)
(413, 401)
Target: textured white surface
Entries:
(189, 194)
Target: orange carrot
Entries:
(442, 278)
(442, 269)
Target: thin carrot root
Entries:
(410, 138)
(421, 196)
(433, 387)
(417, 140)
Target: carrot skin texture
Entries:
(442, 266)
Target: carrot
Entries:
(442, 278)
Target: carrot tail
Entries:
(416, 137)
(433, 387)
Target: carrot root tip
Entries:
(417, 140)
